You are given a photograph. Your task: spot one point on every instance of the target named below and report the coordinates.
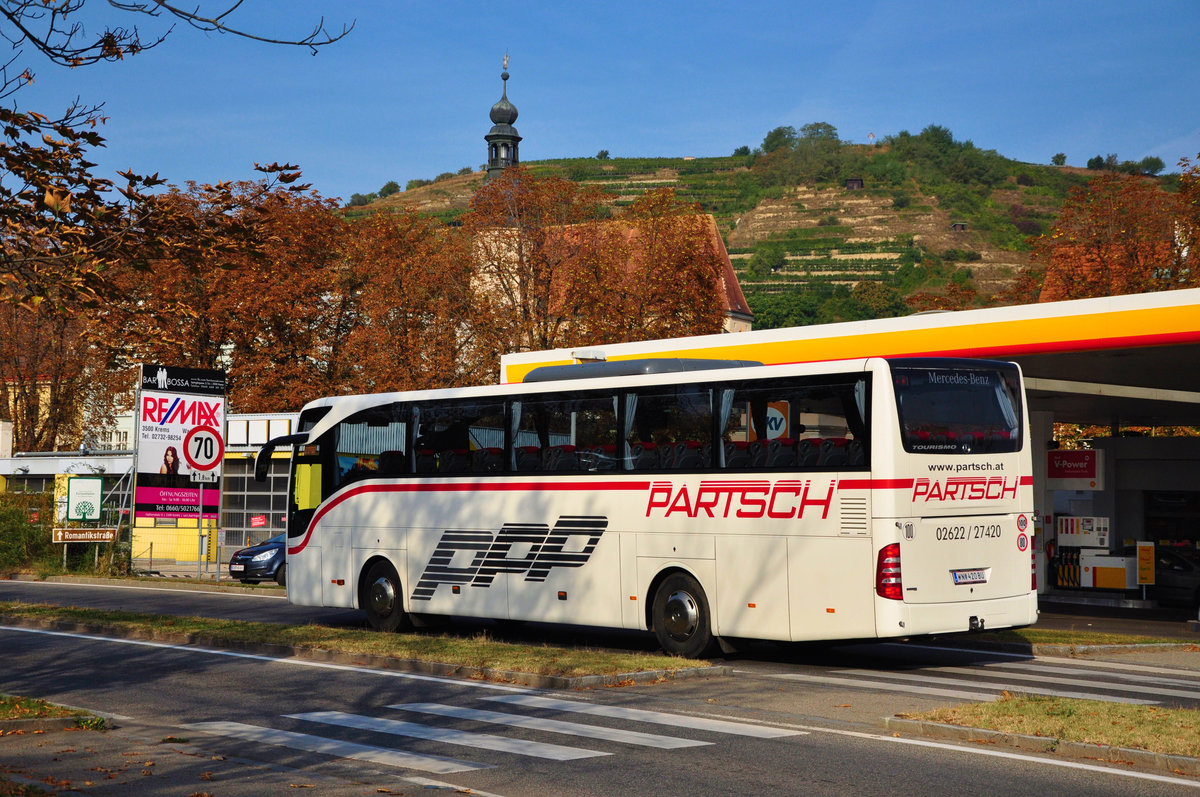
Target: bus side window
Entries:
(308, 486)
(668, 428)
(793, 424)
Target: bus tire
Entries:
(681, 618)
(380, 597)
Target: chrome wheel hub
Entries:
(383, 597)
(682, 615)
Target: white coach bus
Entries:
(702, 500)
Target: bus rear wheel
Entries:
(681, 618)
(380, 597)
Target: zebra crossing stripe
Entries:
(640, 715)
(483, 741)
(333, 747)
(889, 686)
(1032, 690)
(1115, 686)
(553, 726)
(1137, 677)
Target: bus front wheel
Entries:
(682, 621)
(381, 599)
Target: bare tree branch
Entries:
(319, 37)
(52, 28)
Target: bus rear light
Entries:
(888, 583)
(1033, 579)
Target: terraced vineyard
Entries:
(891, 231)
(833, 236)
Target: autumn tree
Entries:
(667, 279)
(287, 310)
(553, 270)
(955, 297)
(418, 327)
(1187, 229)
(64, 231)
(166, 304)
(61, 228)
(529, 237)
(50, 369)
(1114, 237)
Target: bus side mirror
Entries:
(262, 460)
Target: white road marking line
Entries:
(437, 785)
(926, 679)
(640, 715)
(889, 686)
(321, 665)
(333, 747)
(553, 726)
(976, 750)
(483, 741)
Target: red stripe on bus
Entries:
(458, 487)
(875, 484)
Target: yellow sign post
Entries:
(1145, 563)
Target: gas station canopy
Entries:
(1132, 360)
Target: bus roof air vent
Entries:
(655, 365)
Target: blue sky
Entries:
(406, 95)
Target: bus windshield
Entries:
(959, 408)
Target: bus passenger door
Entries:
(752, 587)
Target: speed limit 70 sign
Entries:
(203, 448)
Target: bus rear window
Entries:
(967, 409)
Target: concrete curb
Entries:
(382, 662)
(1142, 759)
(38, 724)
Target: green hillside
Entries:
(809, 246)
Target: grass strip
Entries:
(478, 650)
(28, 708)
(1174, 731)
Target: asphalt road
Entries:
(813, 714)
(258, 723)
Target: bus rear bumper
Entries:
(896, 619)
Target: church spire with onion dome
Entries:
(502, 139)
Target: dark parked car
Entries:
(262, 562)
(1176, 575)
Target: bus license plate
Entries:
(969, 576)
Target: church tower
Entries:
(502, 139)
